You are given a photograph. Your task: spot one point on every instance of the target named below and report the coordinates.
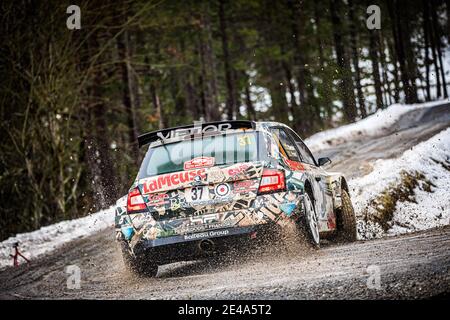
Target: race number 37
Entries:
(197, 194)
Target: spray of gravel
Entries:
(289, 243)
(271, 251)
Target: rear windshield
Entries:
(217, 150)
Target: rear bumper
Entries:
(177, 248)
(217, 233)
(142, 231)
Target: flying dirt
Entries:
(415, 265)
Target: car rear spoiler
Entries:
(196, 128)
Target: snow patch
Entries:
(431, 159)
(46, 239)
(375, 124)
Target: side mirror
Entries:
(323, 161)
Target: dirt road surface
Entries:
(410, 266)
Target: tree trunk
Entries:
(327, 82)
(138, 38)
(208, 67)
(384, 68)
(251, 113)
(435, 58)
(273, 65)
(302, 118)
(373, 53)
(393, 59)
(291, 88)
(426, 28)
(230, 102)
(190, 95)
(308, 115)
(355, 53)
(295, 17)
(128, 98)
(438, 46)
(447, 4)
(411, 64)
(156, 106)
(346, 82)
(280, 109)
(99, 156)
(393, 8)
(237, 91)
(193, 102)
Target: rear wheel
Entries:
(139, 264)
(311, 222)
(346, 220)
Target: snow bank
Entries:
(42, 241)
(426, 209)
(373, 125)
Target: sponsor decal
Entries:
(204, 227)
(177, 203)
(212, 202)
(245, 140)
(171, 180)
(222, 190)
(122, 220)
(294, 165)
(127, 232)
(295, 184)
(204, 219)
(197, 180)
(196, 130)
(331, 222)
(238, 169)
(157, 199)
(199, 162)
(288, 208)
(202, 235)
(247, 185)
(215, 175)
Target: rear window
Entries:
(219, 150)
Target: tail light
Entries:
(135, 202)
(271, 181)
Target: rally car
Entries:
(203, 187)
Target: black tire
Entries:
(139, 264)
(346, 220)
(307, 223)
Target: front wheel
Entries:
(311, 221)
(346, 220)
(139, 264)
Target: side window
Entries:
(303, 149)
(287, 148)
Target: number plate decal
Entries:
(197, 194)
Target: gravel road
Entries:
(410, 266)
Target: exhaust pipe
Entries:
(206, 245)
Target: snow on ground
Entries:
(49, 238)
(430, 209)
(373, 125)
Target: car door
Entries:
(322, 192)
